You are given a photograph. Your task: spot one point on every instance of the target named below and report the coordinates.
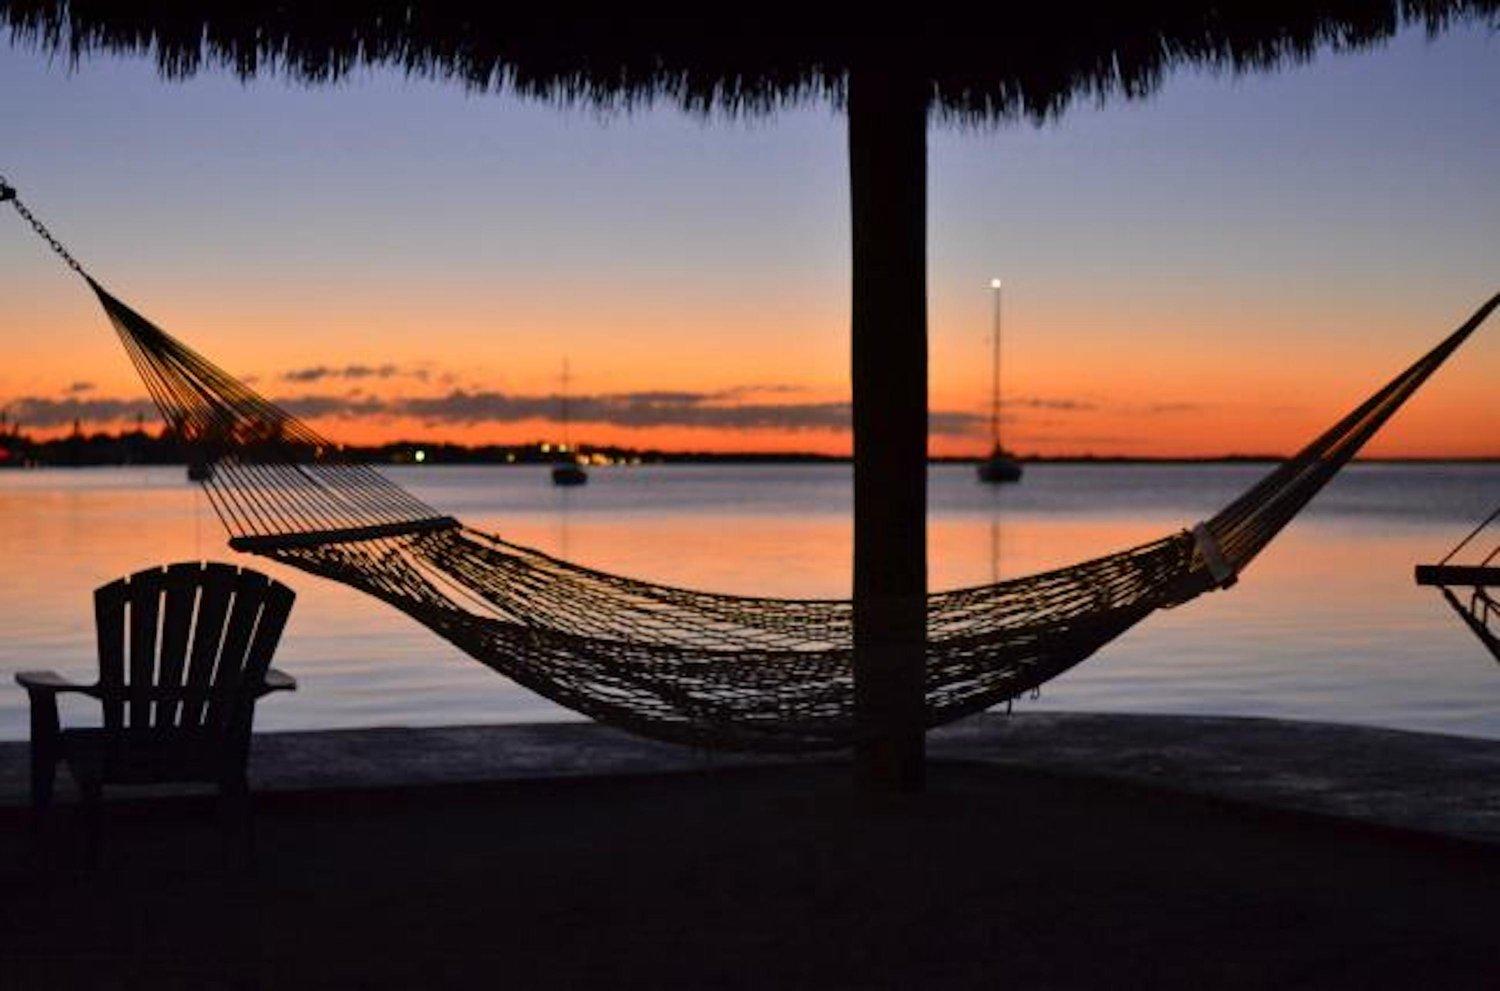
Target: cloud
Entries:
(654, 409)
(319, 373)
(1071, 405)
(349, 407)
(955, 423)
(44, 413)
(658, 408)
(772, 389)
(1039, 402)
(720, 410)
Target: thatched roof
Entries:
(1013, 59)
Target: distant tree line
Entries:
(19, 450)
(139, 447)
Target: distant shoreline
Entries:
(133, 448)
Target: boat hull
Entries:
(998, 469)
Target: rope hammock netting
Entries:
(670, 663)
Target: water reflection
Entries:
(1327, 625)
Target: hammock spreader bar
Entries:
(676, 664)
(348, 535)
(1478, 584)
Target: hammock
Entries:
(679, 665)
(1475, 602)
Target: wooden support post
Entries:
(888, 193)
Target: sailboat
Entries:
(568, 472)
(999, 467)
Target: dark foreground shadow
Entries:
(758, 877)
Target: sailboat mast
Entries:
(566, 439)
(995, 371)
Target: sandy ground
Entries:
(998, 876)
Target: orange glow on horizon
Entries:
(1076, 382)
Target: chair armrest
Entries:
(52, 683)
(43, 688)
(278, 681)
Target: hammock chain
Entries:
(8, 192)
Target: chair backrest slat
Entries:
(187, 647)
(145, 607)
(109, 627)
(276, 606)
(213, 607)
(181, 595)
(249, 594)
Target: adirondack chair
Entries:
(184, 654)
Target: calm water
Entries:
(1326, 625)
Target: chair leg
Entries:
(249, 814)
(43, 776)
(93, 810)
(45, 752)
(236, 816)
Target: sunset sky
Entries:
(1222, 269)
